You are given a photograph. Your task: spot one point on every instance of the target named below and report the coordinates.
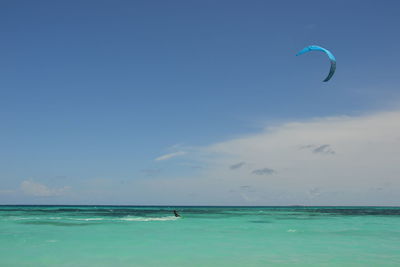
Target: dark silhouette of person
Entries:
(176, 214)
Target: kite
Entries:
(330, 55)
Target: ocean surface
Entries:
(203, 236)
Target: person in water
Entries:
(176, 214)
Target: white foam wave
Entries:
(87, 219)
(149, 219)
(128, 218)
(25, 218)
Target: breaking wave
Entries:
(149, 219)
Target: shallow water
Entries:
(204, 236)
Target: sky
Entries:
(199, 103)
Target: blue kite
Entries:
(330, 55)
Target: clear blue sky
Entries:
(99, 89)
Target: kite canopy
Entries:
(330, 55)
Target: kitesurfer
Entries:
(176, 214)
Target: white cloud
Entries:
(354, 154)
(170, 155)
(366, 155)
(32, 188)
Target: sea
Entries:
(203, 236)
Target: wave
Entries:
(87, 219)
(130, 218)
(93, 219)
(14, 218)
(149, 219)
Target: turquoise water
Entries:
(204, 236)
